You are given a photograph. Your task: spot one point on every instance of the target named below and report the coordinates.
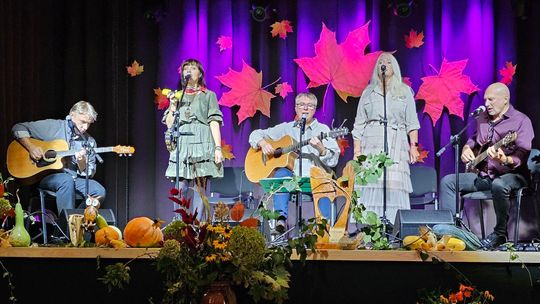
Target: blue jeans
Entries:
(281, 200)
(65, 187)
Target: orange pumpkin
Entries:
(105, 235)
(237, 211)
(143, 232)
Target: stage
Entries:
(69, 275)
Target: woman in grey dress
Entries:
(403, 125)
(200, 155)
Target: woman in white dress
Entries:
(403, 125)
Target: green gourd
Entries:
(19, 237)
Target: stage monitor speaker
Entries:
(107, 214)
(408, 221)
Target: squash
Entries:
(455, 244)
(143, 232)
(105, 235)
(413, 242)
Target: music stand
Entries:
(272, 184)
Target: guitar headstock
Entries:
(509, 138)
(124, 150)
(337, 132)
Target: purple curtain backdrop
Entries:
(478, 30)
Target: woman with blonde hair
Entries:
(402, 135)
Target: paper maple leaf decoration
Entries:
(283, 89)
(226, 150)
(443, 90)
(344, 66)
(246, 92)
(135, 69)
(160, 99)
(224, 42)
(281, 29)
(407, 81)
(423, 153)
(508, 72)
(414, 39)
(343, 144)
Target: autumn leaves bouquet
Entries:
(198, 254)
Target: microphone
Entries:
(302, 121)
(187, 77)
(475, 113)
(383, 68)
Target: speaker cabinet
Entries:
(107, 214)
(408, 221)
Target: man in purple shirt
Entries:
(505, 169)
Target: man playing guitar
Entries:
(319, 153)
(505, 169)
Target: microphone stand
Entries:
(386, 223)
(454, 141)
(176, 134)
(302, 126)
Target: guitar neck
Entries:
(484, 154)
(72, 152)
(300, 144)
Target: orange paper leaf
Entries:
(343, 144)
(250, 222)
(414, 39)
(281, 29)
(224, 42)
(237, 211)
(160, 99)
(226, 150)
(423, 153)
(135, 69)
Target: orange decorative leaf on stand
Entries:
(250, 222)
(246, 92)
(161, 99)
(508, 72)
(281, 29)
(445, 88)
(224, 42)
(283, 89)
(414, 39)
(344, 66)
(226, 150)
(343, 144)
(135, 69)
(423, 153)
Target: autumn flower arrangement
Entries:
(197, 254)
(465, 294)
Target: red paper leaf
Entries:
(160, 99)
(226, 150)
(508, 72)
(407, 81)
(246, 92)
(343, 144)
(414, 40)
(283, 89)
(444, 89)
(423, 153)
(135, 69)
(281, 29)
(224, 42)
(344, 66)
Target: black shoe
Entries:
(493, 241)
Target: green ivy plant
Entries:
(368, 169)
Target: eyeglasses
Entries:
(306, 105)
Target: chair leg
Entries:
(482, 227)
(43, 215)
(518, 209)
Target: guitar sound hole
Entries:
(278, 153)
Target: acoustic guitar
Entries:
(20, 165)
(473, 165)
(259, 165)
